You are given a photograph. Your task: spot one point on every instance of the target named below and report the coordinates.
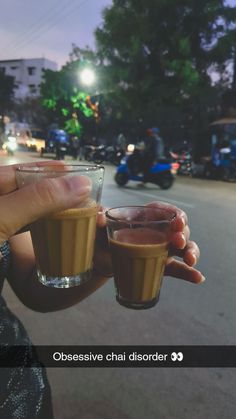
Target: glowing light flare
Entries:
(87, 76)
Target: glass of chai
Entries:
(139, 238)
(64, 241)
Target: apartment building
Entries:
(27, 74)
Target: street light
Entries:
(87, 77)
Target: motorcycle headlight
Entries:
(12, 139)
(12, 146)
(130, 148)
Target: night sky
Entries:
(47, 28)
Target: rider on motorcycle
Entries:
(153, 150)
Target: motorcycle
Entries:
(185, 162)
(10, 145)
(88, 152)
(222, 165)
(161, 173)
(110, 154)
(57, 142)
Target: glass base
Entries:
(137, 305)
(64, 281)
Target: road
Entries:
(185, 315)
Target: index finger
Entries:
(180, 220)
(8, 174)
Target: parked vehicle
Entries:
(109, 154)
(221, 164)
(35, 139)
(185, 161)
(89, 151)
(161, 173)
(57, 142)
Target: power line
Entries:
(51, 22)
(31, 29)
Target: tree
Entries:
(6, 93)
(159, 54)
(64, 95)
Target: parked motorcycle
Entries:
(109, 154)
(88, 152)
(161, 173)
(222, 165)
(185, 161)
(56, 142)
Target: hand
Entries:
(20, 207)
(181, 246)
(102, 258)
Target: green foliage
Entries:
(158, 54)
(62, 92)
(151, 56)
(72, 126)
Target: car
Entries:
(35, 139)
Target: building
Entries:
(27, 74)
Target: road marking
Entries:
(171, 201)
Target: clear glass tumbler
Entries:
(64, 241)
(139, 238)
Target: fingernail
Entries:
(203, 279)
(184, 241)
(194, 259)
(183, 221)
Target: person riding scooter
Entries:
(153, 150)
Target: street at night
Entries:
(186, 314)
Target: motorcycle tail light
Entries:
(174, 168)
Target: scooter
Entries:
(222, 165)
(161, 173)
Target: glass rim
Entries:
(110, 217)
(55, 168)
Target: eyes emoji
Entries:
(177, 356)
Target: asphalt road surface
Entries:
(185, 315)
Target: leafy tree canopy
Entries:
(63, 93)
(160, 52)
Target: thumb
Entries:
(36, 200)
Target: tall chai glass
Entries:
(64, 241)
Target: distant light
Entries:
(130, 148)
(87, 76)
